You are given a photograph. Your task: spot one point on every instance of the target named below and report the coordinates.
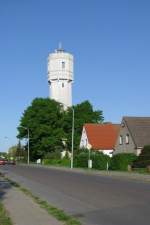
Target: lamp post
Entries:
(72, 145)
(72, 138)
(89, 146)
(28, 159)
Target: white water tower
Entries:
(60, 76)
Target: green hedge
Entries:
(81, 160)
(56, 162)
(122, 160)
(99, 160)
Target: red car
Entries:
(2, 162)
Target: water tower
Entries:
(60, 76)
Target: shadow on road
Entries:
(4, 186)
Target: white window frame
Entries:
(120, 140)
(127, 138)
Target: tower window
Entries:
(63, 65)
(62, 85)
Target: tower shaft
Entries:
(60, 76)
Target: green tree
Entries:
(21, 154)
(84, 113)
(143, 159)
(12, 152)
(48, 124)
(3, 155)
(44, 120)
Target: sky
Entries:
(110, 41)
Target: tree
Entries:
(143, 159)
(12, 152)
(21, 154)
(84, 113)
(44, 120)
(3, 155)
(48, 124)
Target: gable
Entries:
(139, 128)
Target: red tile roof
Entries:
(102, 136)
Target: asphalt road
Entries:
(93, 199)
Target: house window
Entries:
(63, 65)
(62, 85)
(127, 138)
(120, 140)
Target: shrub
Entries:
(143, 159)
(100, 160)
(46, 161)
(81, 160)
(53, 155)
(57, 162)
(65, 162)
(121, 161)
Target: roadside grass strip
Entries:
(4, 217)
(57, 213)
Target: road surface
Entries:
(93, 199)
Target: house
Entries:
(133, 135)
(100, 137)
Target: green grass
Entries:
(57, 213)
(4, 218)
(141, 171)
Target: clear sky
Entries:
(110, 40)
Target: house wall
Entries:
(84, 139)
(107, 152)
(124, 147)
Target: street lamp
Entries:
(28, 159)
(72, 139)
(72, 146)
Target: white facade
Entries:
(84, 139)
(60, 76)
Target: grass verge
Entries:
(4, 217)
(57, 213)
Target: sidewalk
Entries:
(22, 209)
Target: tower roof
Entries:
(60, 48)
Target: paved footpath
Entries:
(22, 209)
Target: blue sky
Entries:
(110, 41)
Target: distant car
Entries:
(2, 161)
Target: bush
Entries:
(81, 160)
(46, 161)
(57, 162)
(99, 160)
(53, 155)
(143, 159)
(122, 160)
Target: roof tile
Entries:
(102, 136)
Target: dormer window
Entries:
(63, 65)
(127, 138)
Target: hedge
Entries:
(99, 160)
(122, 160)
